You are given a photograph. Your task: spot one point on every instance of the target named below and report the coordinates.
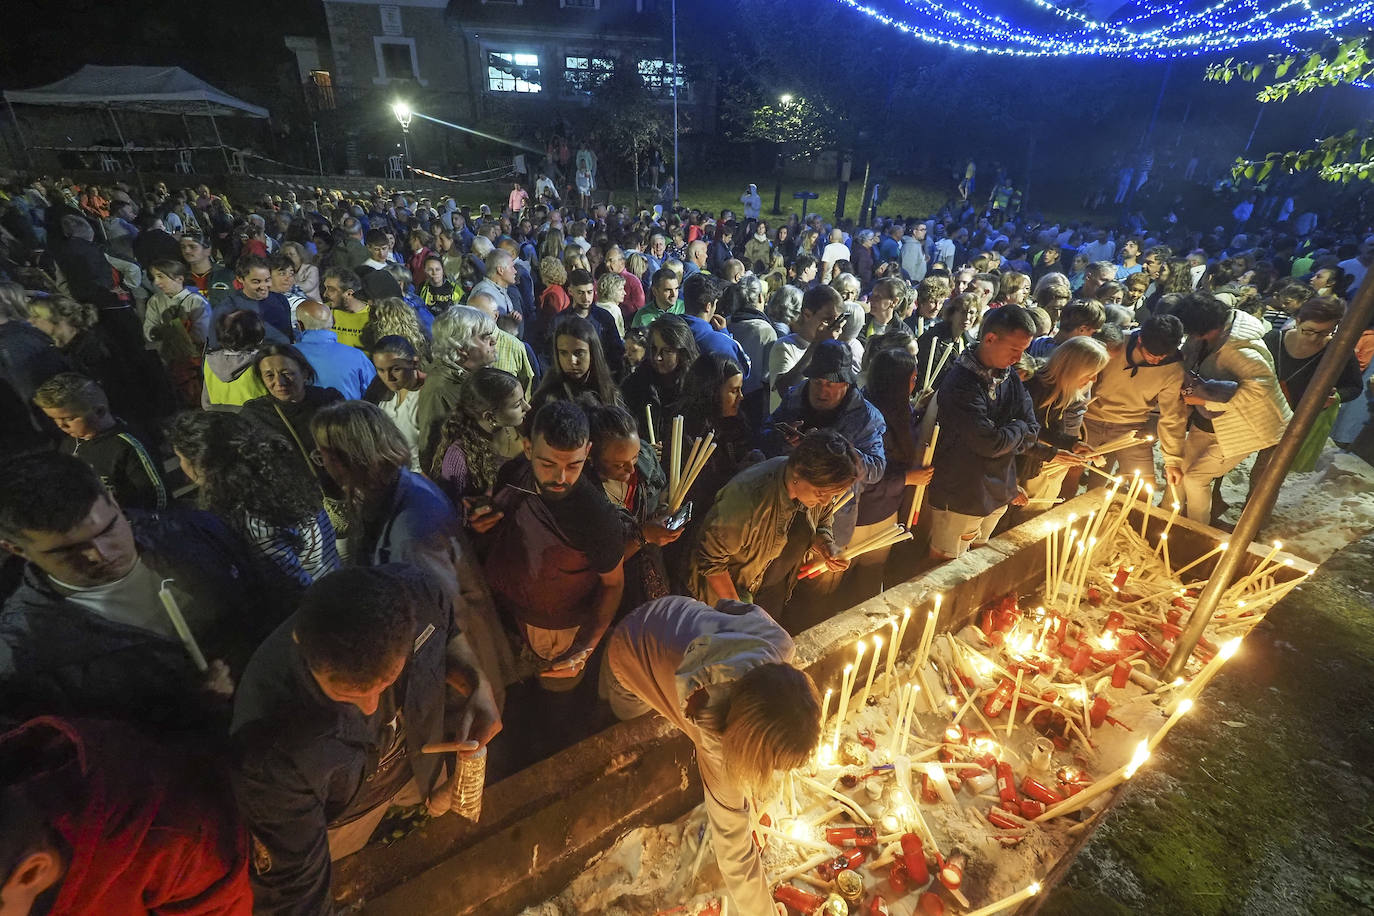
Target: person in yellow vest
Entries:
(230, 380)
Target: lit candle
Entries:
(845, 687)
(1211, 553)
(1049, 560)
(936, 774)
(1007, 902)
(1259, 571)
(901, 631)
(928, 636)
(894, 644)
(1173, 514)
(872, 669)
(1209, 671)
(1180, 711)
(1145, 508)
(1101, 787)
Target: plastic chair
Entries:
(394, 168)
(183, 166)
(108, 163)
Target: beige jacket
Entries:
(1127, 390)
(1256, 415)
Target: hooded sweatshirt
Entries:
(665, 652)
(194, 311)
(1128, 389)
(230, 380)
(150, 830)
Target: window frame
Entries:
(383, 77)
(514, 90)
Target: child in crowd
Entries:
(126, 466)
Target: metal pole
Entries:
(677, 188)
(228, 169)
(319, 156)
(1159, 100)
(1266, 485)
(23, 143)
(1251, 139)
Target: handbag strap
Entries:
(292, 430)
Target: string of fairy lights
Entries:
(1164, 30)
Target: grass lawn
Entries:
(714, 193)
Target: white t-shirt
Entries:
(785, 353)
(132, 600)
(404, 413)
(835, 251)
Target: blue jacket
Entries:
(986, 420)
(709, 340)
(339, 366)
(274, 311)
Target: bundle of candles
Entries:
(989, 750)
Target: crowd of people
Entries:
(295, 488)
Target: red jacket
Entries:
(153, 831)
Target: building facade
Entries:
(521, 69)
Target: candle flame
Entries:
(1228, 649)
(1223, 545)
(877, 645)
(1278, 545)
(1107, 641)
(1149, 438)
(799, 829)
(906, 613)
(1142, 753)
(1033, 888)
(954, 733)
(1184, 706)
(1177, 506)
(859, 649)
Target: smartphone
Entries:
(679, 518)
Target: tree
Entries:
(1342, 157)
(627, 118)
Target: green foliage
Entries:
(1342, 158)
(800, 123)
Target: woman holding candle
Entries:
(1060, 392)
(724, 677)
(659, 380)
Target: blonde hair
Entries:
(608, 285)
(552, 271)
(393, 316)
(365, 441)
(72, 391)
(14, 305)
(1067, 362)
(772, 726)
(80, 315)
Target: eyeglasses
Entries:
(316, 458)
(1313, 332)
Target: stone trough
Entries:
(541, 825)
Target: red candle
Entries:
(952, 870)
(1170, 630)
(851, 836)
(931, 904)
(878, 907)
(1080, 658)
(1114, 621)
(997, 700)
(1121, 673)
(1031, 809)
(845, 860)
(1122, 574)
(914, 858)
(1006, 782)
(1174, 615)
(797, 899)
(898, 878)
(1039, 791)
(1097, 714)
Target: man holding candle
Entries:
(87, 632)
(723, 676)
(1142, 376)
(986, 420)
(768, 517)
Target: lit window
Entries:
(582, 74)
(511, 72)
(659, 79)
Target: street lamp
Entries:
(778, 165)
(403, 115)
(785, 98)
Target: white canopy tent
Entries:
(155, 90)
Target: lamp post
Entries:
(403, 115)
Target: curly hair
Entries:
(80, 315)
(393, 316)
(244, 469)
(483, 391)
(552, 272)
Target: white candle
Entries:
(1259, 570)
(1049, 559)
(1024, 894)
(1015, 697)
(936, 774)
(1173, 514)
(872, 669)
(825, 704)
(1145, 508)
(1213, 552)
(1209, 671)
(1180, 711)
(892, 648)
(188, 639)
(901, 631)
(1102, 786)
(845, 687)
